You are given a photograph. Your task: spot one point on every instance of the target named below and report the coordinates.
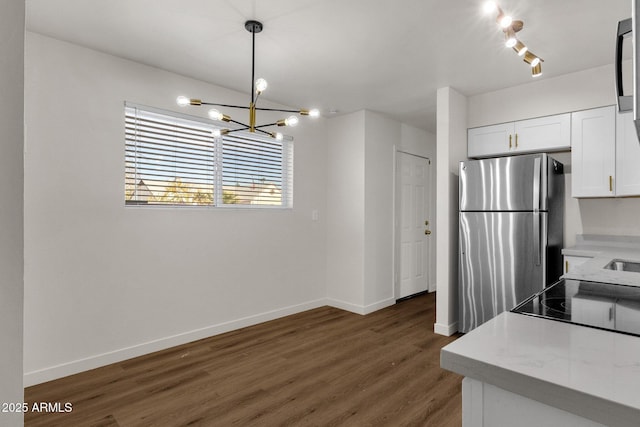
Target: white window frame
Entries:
(256, 193)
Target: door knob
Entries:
(427, 232)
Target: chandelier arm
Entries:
(225, 105)
(265, 132)
(246, 128)
(236, 130)
(277, 109)
(239, 123)
(267, 125)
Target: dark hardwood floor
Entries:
(323, 367)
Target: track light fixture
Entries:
(511, 27)
(257, 87)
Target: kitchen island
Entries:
(527, 371)
(530, 371)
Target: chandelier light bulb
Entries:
(291, 121)
(314, 113)
(215, 114)
(261, 85)
(183, 101)
(535, 62)
(511, 39)
(490, 7)
(217, 133)
(278, 136)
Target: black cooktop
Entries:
(598, 305)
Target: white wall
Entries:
(381, 135)
(104, 282)
(451, 149)
(345, 211)
(572, 92)
(11, 209)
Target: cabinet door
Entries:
(628, 315)
(570, 262)
(488, 141)
(593, 310)
(551, 133)
(627, 156)
(593, 134)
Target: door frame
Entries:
(431, 283)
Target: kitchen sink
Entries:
(622, 265)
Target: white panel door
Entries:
(412, 220)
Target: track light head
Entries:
(520, 48)
(510, 37)
(536, 71)
(531, 59)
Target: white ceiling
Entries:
(342, 55)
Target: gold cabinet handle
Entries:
(516, 140)
(566, 266)
(610, 183)
(509, 141)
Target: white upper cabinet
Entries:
(605, 154)
(551, 133)
(490, 141)
(593, 160)
(627, 156)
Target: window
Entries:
(174, 160)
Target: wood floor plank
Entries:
(323, 367)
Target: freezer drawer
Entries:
(502, 262)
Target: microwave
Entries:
(626, 65)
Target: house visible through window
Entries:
(175, 160)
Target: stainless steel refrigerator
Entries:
(511, 233)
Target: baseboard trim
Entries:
(360, 309)
(92, 362)
(446, 330)
(347, 306)
(379, 305)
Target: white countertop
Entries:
(601, 250)
(586, 371)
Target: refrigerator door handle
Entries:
(536, 238)
(536, 211)
(536, 184)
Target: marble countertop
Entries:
(586, 371)
(601, 250)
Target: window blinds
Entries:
(177, 161)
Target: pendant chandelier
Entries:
(257, 87)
